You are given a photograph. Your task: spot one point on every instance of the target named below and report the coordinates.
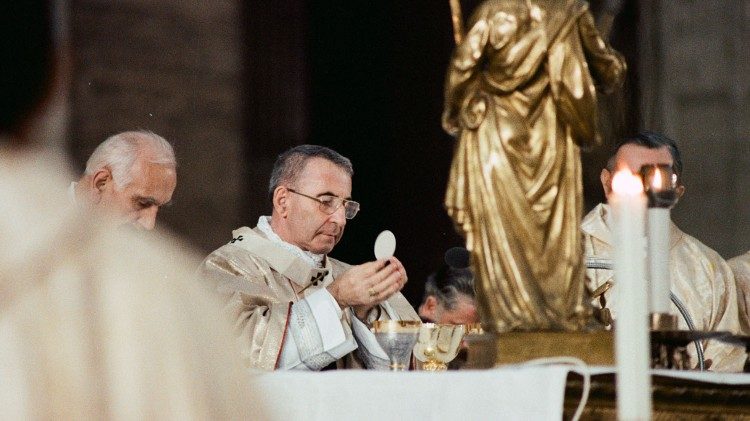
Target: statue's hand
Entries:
(451, 122)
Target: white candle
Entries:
(658, 258)
(632, 346)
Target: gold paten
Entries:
(521, 100)
(492, 349)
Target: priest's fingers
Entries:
(385, 290)
(368, 283)
(366, 270)
(402, 270)
(386, 270)
(397, 274)
(389, 285)
(350, 288)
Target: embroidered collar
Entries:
(264, 225)
(282, 259)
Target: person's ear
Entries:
(428, 310)
(100, 182)
(606, 178)
(281, 201)
(680, 190)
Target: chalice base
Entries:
(487, 350)
(433, 365)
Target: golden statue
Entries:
(520, 96)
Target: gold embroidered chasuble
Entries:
(260, 280)
(701, 279)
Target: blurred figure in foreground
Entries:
(95, 323)
(130, 176)
(449, 292)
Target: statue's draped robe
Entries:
(520, 96)
(99, 322)
(261, 282)
(741, 268)
(701, 280)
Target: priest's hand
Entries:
(364, 286)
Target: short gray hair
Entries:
(650, 140)
(290, 164)
(119, 153)
(447, 283)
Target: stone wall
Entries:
(232, 85)
(173, 67)
(695, 67)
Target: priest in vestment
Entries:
(131, 176)
(293, 306)
(741, 268)
(520, 97)
(701, 279)
(96, 322)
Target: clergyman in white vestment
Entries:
(294, 307)
(701, 279)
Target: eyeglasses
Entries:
(330, 204)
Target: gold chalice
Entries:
(397, 338)
(438, 344)
(473, 328)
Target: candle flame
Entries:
(657, 182)
(626, 183)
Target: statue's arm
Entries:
(463, 65)
(607, 66)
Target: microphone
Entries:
(457, 257)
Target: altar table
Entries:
(507, 393)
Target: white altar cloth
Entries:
(508, 393)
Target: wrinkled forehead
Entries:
(151, 179)
(321, 176)
(633, 157)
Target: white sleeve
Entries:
(366, 339)
(369, 349)
(316, 336)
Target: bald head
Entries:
(130, 175)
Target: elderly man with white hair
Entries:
(130, 176)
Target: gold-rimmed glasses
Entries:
(330, 204)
